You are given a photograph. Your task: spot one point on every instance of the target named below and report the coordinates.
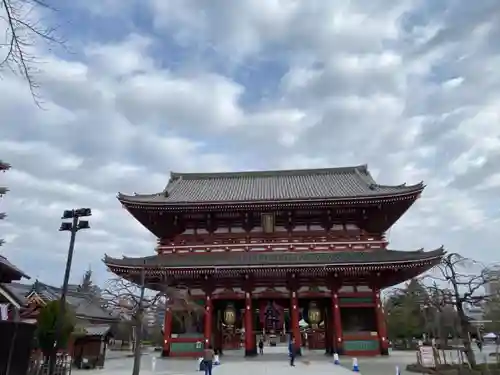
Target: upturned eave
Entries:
(333, 260)
(142, 202)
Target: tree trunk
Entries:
(133, 335)
(464, 322)
(464, 325)
(138, 331)
(137, 347)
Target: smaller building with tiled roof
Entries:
(29, 298)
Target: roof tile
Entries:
(9, 272)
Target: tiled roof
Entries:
(17, 290)
(83, 304)
(4, 166)
(285, 185)
(9, 272)
(255, 259)
(94, 329)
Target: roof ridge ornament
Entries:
(266, 173)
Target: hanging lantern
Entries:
(230, 315)
(314, 314)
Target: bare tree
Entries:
(133, 301)
(459, 283)
(24, 29)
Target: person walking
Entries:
(261, 346)
(208, 359)
(292, 351)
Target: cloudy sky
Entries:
(412, 88)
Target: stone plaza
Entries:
(274, 360)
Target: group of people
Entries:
(209, 355)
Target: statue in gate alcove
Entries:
(271, 316)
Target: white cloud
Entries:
(407, 88)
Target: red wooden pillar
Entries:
(208, 321)
(338, 346)
(381, 326)
(295, 317)
(250, 344)
(167, 329)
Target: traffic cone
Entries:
(355, 367)
(398, 371)
(336, 360)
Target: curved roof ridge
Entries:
(267, 173)
(438, 251)
(365, 176)
(403, 185)
(238, 259)
(172, 183)
(137, 195)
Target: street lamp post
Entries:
(72, 226)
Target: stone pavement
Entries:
(187, 367)
(387, 365)
(275, 362)
(381, 365)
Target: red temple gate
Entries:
(268, 251)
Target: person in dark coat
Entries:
(208, 360)
(292, 351)
(261, 346)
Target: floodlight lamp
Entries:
(68, 214)
(65, 227)
(82, 212)
(83, 224)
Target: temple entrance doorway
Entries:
(273, 326)
(228, 325)
(316, 324)
(272, 321)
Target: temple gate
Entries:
(285, 254)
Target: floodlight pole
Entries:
(75, 227)
(69, 261)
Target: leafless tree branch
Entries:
(123, 295)
(23, 30)
(460, 280)
(129, 299)
(457, 285)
